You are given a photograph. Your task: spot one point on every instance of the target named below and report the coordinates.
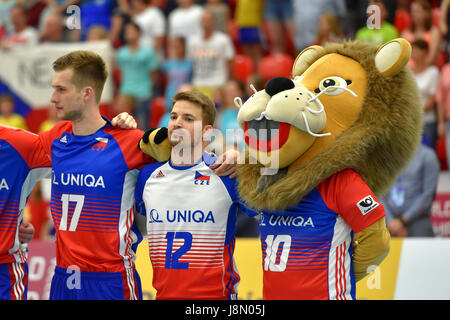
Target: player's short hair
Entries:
(202, 100)
(89, 69)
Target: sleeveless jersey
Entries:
(191, 217)
(307, 249)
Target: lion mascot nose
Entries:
(278, 84)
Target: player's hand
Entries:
(26, 232)
(124, 120)
(226, 163)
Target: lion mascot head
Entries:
(349, 105)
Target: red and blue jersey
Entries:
(191, 217)
(307, 249)
(20, 168)
(92, 200)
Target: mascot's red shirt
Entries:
(307, 249)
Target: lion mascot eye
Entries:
(332, 86)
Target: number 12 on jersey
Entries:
(172, 258)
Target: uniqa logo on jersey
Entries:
(78, 179)
(172, 216)
(287, 221)
(4, 184)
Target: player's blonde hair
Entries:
(89, 69)
(202, 100)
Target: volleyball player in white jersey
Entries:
(190, 211)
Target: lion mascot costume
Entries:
(322, 146)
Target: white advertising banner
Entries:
(28, 71)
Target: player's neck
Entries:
(180, 158)
(88, 124)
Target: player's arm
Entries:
(28, 144)
(141, 213)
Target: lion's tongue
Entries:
(266, 135)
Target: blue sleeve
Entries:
(231, 186)
(138, 192)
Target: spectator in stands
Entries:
(306, 15)
(164, 121)
(212, 54)
(23, 34)
(278, 16)
(378, 34)
(138, 67)
(97, 33)
(7, 115)
(256, 81)
(445, 21)
(184, 21)
(177, 68)
(51, 121)
(53, 29)
(328, 30)
(5, 16)
(248, 17)
(422, 28)
(153, 25)
(408, 204)
(427, 78)
(94, 13)
(222, 13)
(58, 7)
(227, 116)
(443, 101)
(124, 103)
(226, 122)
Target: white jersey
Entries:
(191, 218)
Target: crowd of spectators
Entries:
(220, 47)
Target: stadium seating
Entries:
(276, 65)
(243, 67)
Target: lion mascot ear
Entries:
(392, 57)
(155, 143)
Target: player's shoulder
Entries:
(120, 133)
(62, 126)
(57, 130)
(148, 169)
(127, 139)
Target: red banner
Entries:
(41, 266)
(440, 215)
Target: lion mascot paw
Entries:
(156, 144)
